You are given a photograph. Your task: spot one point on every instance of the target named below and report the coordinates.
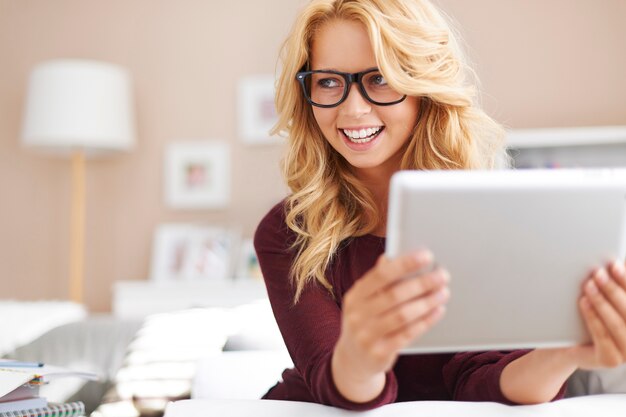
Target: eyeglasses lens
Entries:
(328, 89)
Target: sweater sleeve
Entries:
(311, 327)
(475, 376)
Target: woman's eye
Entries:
(378, 80)
(329, 83)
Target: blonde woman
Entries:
(369, 87)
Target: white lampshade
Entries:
(79, 105)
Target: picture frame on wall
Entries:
(197, 174)
(190, 252)
(256, 110)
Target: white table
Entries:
(606, 405)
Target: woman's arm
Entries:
(309, 328)
(539, 375)
(345, 355)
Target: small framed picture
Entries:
(192, 252)
(248, 266)
(256, 110)
(197, 174)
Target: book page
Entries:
(12, 378)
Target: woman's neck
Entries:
(378, 184)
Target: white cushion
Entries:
(254, 328)
(160, 361)
(245, 374)
(21, 322)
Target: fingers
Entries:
(402, 323)
(405, 319)
(407, 289)
(604, 310)
(403, 336)
(388, 271)
(606, 350)
(389, 300)
(405, 315)
(392, 304)
(618, 271)
(611, 288)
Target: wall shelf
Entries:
(136, 299)
(571, 147)
(570, 136)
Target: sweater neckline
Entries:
(370, 236)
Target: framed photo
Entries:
(197, 174)
(256, 110)
(248, 265)
(192, 252)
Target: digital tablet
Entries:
(517, 243)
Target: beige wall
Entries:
(542, 63)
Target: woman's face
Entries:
(344, 46)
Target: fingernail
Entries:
(440, 276)
(443, 294)
(584, 302)
(424, 257)
(601, 276)
(592, 288)
(618, 268)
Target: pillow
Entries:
(239, 375)
(161, 361)
(254, 328)
(34, 318)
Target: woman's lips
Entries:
(361, 144)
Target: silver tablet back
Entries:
(517, 244)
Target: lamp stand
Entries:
(77, 242)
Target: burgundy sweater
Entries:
(311, 328)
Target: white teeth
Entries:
(363, 135)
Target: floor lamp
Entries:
(79, 108)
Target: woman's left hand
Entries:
(603, 307)
(539, 375)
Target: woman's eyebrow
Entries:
(325, 69)
(346, 72)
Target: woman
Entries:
(369, 87)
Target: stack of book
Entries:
(19, 390)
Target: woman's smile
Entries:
(361, 138)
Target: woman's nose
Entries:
(355, 104)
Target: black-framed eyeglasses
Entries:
(327, 88)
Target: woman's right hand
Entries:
(386, 309)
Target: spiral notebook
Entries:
(19, 390)
(73, 409)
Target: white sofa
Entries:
(255, 356)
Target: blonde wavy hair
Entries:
(419, 55)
